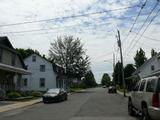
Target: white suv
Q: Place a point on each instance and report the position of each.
(145, 99)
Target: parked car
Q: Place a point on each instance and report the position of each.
(55, 95)
(104, 86)
(112, 89)
(145, 99)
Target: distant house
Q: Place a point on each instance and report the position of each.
(150, 68)
(45, 74)
(11, 66)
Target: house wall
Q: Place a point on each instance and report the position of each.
(146, 70)
(7, 58)
(33, 80)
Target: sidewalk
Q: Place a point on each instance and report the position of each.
(19, 105)
(121, 93)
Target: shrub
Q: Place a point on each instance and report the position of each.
(13, 95)
(36, 94)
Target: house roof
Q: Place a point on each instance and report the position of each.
(6, 44)
(146, 62)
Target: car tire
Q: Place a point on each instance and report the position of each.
(130, 108)
(66, 98)
(145, 115)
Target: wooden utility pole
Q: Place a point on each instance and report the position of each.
(114, 68)
(122, 71)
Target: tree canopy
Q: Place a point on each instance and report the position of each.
(26, 52)
(117, 75)
(89, 80)
(106, 80)
(153, 52)
(128, 70)
(68, 52)
(140, 58)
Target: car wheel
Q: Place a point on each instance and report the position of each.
(145, 115)
(130, 108)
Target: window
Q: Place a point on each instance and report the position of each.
(42, 82)
(13, 59)
(33, 58)
(1, 53)
(25, 82)
(42, 68)
(26, 67)
(142, 86)
(152, 67)
(136, 87)
(151, 85)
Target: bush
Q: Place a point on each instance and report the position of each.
(13, 95)
(36, 94)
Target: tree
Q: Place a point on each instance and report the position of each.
(68, 52)
(106, 80)
(153, 53)
(26, 52)
(89, 80)
(117, 75)
(140, 58)
(128, 70)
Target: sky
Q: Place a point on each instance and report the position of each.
(97, 31)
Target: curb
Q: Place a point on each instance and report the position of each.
(19, 105)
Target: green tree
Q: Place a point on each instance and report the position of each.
(140, 58)
(106, 80)
(68, 52)
(26, 52)
(117, 75)
(153, 53)
(128, 70)
(89, 80)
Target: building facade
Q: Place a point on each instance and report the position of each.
(45, 75)
(11, 66)
(150, 68)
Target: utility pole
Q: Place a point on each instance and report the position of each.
(122, 71)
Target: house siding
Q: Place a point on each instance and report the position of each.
(34, 79)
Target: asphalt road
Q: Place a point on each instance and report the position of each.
(94, 104)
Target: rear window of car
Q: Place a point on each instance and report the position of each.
(151, 85)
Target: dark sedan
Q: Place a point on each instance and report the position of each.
(112, 89)
(55, 95)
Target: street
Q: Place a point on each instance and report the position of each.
(94, 104)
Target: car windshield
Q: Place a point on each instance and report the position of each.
(53, 91)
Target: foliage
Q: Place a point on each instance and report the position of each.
(68, 52)
(106, 80)
(89, 80)
(128, 70)
(13, 95)
(117, 75)
(26, 52)
(36, 94)
(140, 58)
(153, 53)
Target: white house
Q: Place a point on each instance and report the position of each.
(45, 74)
(150, 68)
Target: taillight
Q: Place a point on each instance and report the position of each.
(155, 100)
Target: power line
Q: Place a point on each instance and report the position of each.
(142, 26)
(55, 28)
(146, 28)
(143, 5)
(67, 17)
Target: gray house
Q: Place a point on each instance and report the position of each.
(150, 68)
(11, 66)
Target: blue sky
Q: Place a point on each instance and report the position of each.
(97, 32)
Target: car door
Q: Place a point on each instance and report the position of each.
(140, 94)
(134, 94)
